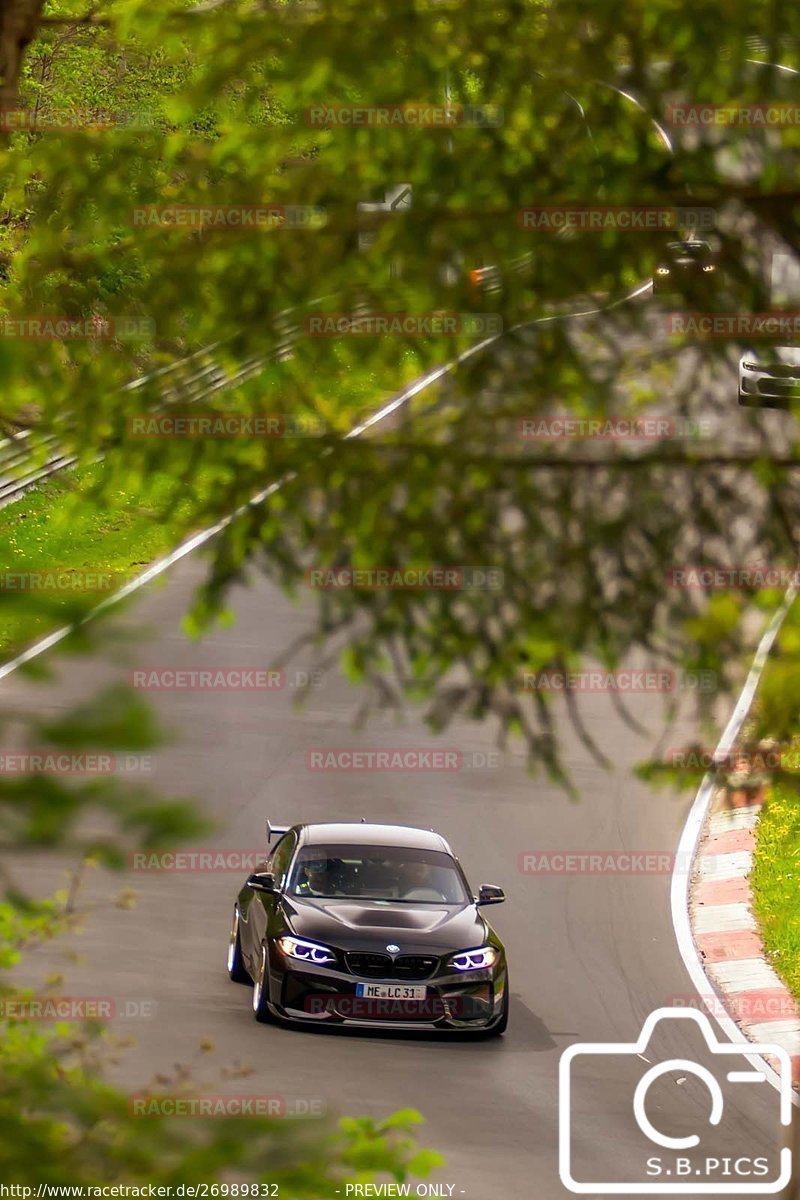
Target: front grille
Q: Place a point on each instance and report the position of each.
(414, 966)
(782, 386)
(381, 966)
(374, 966)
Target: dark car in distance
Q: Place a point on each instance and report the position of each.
(355, 924)
(689, 266)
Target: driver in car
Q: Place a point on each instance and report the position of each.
(419, 882)
(316, 879)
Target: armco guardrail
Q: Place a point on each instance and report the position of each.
(15, 456)
(26, 459)
(193, 378)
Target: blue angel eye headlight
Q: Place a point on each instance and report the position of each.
(310, 952)
(474, 960)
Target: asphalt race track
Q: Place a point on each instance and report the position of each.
(591, 955)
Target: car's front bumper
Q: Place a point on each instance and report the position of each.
(687, 284)
(763, 386)
(457, 1001)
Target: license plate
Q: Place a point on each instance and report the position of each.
(390, 991)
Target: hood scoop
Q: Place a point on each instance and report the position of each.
(387, 919)
(376, 915)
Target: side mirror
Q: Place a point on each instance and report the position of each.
(263, 881)
(490, 893)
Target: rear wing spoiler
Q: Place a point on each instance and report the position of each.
(275, 831)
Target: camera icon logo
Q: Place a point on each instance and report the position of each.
(675, 1165)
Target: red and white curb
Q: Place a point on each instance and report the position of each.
(728, 940)
(718, 857)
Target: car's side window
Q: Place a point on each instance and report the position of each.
(281, 857)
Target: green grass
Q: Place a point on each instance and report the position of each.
(776, 882)
(59, 527)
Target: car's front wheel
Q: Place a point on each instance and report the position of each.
(236, 968)
(261, 1010)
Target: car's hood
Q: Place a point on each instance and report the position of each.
(788, 355)
(372, 925)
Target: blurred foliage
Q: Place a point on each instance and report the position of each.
(208, 104)
(578, 102)
(62, 1123)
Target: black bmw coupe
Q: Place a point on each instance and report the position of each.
(369, 925)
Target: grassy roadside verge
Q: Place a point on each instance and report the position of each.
(58, 528)
(775, 882)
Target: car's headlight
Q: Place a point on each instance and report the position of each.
(310, 952)
(709, 267)
(474, 960)
(662, 270)
(749, 365)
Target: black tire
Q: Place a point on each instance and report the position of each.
(502, 1025)
(261, 1010)
(236, 968)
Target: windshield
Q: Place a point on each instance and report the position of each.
(378, 873)
(691, 249)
